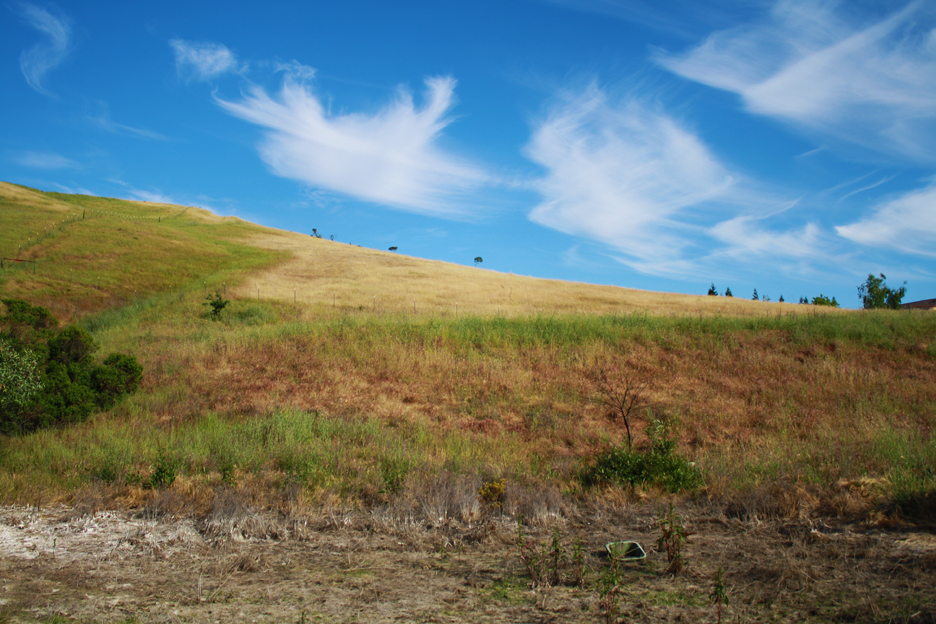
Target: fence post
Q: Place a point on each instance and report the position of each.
(1, 262)
(34, 267)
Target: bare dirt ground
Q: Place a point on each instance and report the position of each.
(60, 566)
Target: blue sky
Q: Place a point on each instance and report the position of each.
(785, 146)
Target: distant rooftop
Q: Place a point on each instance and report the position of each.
(925, 304)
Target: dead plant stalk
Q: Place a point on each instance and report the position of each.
(622, 393)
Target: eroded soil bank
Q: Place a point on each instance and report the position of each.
(243, 566)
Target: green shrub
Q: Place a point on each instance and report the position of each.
(25, 324)
(217, 304)
(822, 300)
(118, 375)
(20, 380)
(73, 386)
(164, 472)
(656, 465)
(72, 344)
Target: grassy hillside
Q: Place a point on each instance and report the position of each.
(95, 253)
(328, 387)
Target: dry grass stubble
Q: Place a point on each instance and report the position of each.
(329, 274)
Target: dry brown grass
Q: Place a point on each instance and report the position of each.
(329, 274)
(775, 423)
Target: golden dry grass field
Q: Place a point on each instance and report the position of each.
(332, 274)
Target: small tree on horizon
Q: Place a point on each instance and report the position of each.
(876, 295)
(478, 260)
(712, 291)
(822, 300)
(755, 297)
(728, 292)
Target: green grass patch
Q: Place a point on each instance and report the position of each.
(655, 466)
(105, 253)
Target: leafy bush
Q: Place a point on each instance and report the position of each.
(875, 294)
(20, 379)
(25, 324)
(656, 465)
(164, 472)
(72, 344)
(68, 397)
(822, 300)
(34, 357)
(118, 375)
(217, 303)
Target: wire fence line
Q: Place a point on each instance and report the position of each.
(55, 227)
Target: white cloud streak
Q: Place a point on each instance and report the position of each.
(628, 175)
(906, 223)
(747, 238)
(817, 68)
(45, 160)
(681, 18)
(41, 58)
(104, 122)
(623, 174)
(74, 190)
(390, 157)
(151, 196)
(203, 61)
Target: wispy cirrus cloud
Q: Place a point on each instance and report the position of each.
(677, 17)
(202, 61)
(627, 174)
(867, 80)
(100, 116)
(44, 56)
(906, 223)
(623, 173)
(746, 237)
(74, 190)
(389, 157)
(134, 194)
(45, 160)
(151, 196)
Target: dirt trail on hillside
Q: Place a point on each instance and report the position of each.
(112, 566)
